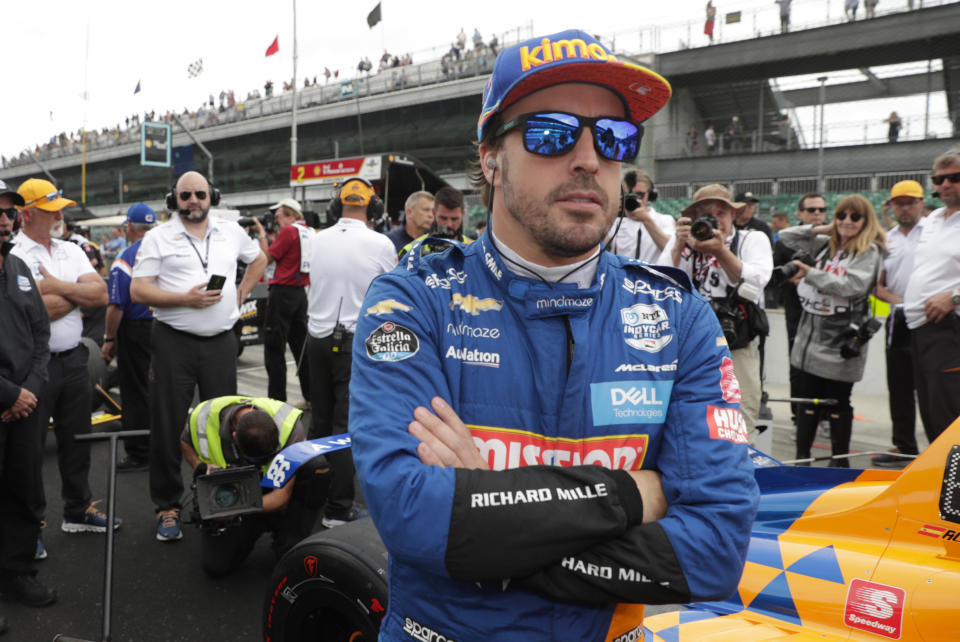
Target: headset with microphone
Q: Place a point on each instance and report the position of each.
(374, 203)
(170, 200)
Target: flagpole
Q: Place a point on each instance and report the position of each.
(293, 123)
(83, 135)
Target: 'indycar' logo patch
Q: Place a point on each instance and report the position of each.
(874, 608)
(729, 384)
(507, 448)
(474, 305)
(387, 306)
(727, 423)
(646, 327)
(392, 342)
(630, 402)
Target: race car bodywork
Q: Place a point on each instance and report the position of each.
(842, 554)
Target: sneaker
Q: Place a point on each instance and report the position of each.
(825, 428)
(339, 518)
(27, 590)
(132, 465)
(41, 552)
(893, 459)
(91, 521)
(168, 525)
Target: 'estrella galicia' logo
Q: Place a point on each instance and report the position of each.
(392, 342)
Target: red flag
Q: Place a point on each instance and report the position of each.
(274, 46)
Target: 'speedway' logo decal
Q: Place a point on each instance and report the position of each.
(392, 342)
(506, 448)
(874, 608)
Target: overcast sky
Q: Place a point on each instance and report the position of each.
(56, 50)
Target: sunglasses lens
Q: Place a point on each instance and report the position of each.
(617, 140)
(551, 134)
(185, 196)
(855, 217)
(10, 212)
(953, 178)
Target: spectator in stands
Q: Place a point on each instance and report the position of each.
(710, 138)
(417, 219)
(719, 267)
(784, 15)
(711, 19)
(870, 7)
(732, 136)
(811, 210)
(834, 292)
(127, 335)
(894, 126)
(691, 144)
(850, 9)
(642, 232)
(932, 303)
(782, 132)
(745, 218)
(268, 89)
(461, 40)
(906, 197)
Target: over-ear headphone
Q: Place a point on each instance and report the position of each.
(374, 205)
(491, 162)
(170, 200)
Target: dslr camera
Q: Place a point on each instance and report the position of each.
(729, 310)
(268, 220)
(857, 336)
(631, 201)
(702, 228)
(783, 273)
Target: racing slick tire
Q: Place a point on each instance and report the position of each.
(331, 586)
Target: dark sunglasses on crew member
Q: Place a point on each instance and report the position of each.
(938, 179)
(814, 210)
(185, 196)
(556, 133)
(11, 212)
(854, 216)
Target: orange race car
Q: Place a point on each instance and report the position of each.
(840, 554)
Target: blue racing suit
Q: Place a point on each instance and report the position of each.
(564, 390)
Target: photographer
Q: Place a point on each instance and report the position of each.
(286, 322)
(241, 431)
(730, 267)
(830, 349)
(643, 232)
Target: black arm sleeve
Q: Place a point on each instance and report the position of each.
(529, 512)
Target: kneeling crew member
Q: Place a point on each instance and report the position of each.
(242, 431)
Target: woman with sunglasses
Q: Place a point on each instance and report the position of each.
(828, 351)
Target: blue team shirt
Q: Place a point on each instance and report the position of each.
(119, 286)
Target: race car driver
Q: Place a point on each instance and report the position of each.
(547, 435)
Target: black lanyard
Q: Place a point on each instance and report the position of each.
(636, 253)
(205, 259)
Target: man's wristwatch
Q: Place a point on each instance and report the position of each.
(109, 339)
(955, 296)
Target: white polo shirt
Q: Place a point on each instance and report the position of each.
(344, 259)
(900, 252)
(936, 265)
(179, 262)
(625, 242)
(67, 262)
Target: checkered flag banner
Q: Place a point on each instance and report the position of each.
(194, 69)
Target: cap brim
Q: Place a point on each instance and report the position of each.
(56, 205)
(734, 204)
(17, 199)
(644, 92)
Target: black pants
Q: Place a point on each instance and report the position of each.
(793, 323)
(181, 362)
(840, 416)
(286, 323)
(329, 400)
(900, 384)
(133, 370)
(223, 551)
(19, 472)
(936, 351)
(66, 398)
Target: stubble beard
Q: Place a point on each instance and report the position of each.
(548, 232)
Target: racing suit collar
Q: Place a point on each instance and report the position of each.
(541, 299)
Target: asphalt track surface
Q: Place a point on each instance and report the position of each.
(160, 593)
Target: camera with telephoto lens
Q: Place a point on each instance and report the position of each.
(858, 336)
(267, 220)
(227, 493)
(702, 228)
(783, 273)
(632, 201)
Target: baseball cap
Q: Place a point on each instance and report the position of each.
(6, 191)
(356, 192)
(141, 213)
(42, 195)
(289, 203)
(714, 192)
(906, 188)
(566, 57)
(744, 197)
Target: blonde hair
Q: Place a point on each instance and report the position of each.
(870, 233)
